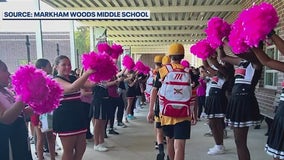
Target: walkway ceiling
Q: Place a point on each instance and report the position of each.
(180, 21)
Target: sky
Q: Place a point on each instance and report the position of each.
(29, 25)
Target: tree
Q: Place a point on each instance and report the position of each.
(82, 39)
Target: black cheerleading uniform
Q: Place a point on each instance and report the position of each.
(70, 117)
(131, 90)
(243, 109)
(101, 102)
(275, 141)
(216, 102)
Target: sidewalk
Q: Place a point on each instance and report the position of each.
(136, 142)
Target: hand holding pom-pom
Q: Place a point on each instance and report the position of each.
(101, 64)
(33, 87)
(89, 71)
(30, 83)
(270, 34)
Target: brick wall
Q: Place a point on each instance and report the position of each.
(148, 59)
(13, 50)
(267, 98)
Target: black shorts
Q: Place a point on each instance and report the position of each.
(178, 131)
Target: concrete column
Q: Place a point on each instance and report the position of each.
(73, 56)
(39, 46)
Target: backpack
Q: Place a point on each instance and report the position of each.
(175, 93)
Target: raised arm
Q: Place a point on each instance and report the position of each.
(229, 59)
(213, 60)
(75, 86)
(267, 61)
(207, 67)
(114, 82)
(89, 84)
(121, 73)
(279, 42)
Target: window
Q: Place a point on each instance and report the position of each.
(271, 75)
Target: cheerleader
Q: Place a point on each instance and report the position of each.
(69, 119)
(275, 141)
(14, 133)
(243, 110)
(215, 105)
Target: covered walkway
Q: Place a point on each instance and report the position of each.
(136, 142)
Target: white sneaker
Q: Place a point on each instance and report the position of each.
(107, 145)
(216, 147)
(100, 148)
(212, 148)
(216, 150)
(203, 115)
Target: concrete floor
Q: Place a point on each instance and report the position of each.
(136, 142)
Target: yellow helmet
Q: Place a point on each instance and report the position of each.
(166, 60)
(176, 49)
(158, 59)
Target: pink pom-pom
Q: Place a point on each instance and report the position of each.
(36, 89)
(103, 65)
(236, 40)
(139, 66)
(146, 69)
(53, 99)
(185, 63)
(252, 26)
(217, 28)
(104, 47)
(88, 60)
(116, 51)
(30, 83)
(202, 49)
(257, 22)
(128, 62)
